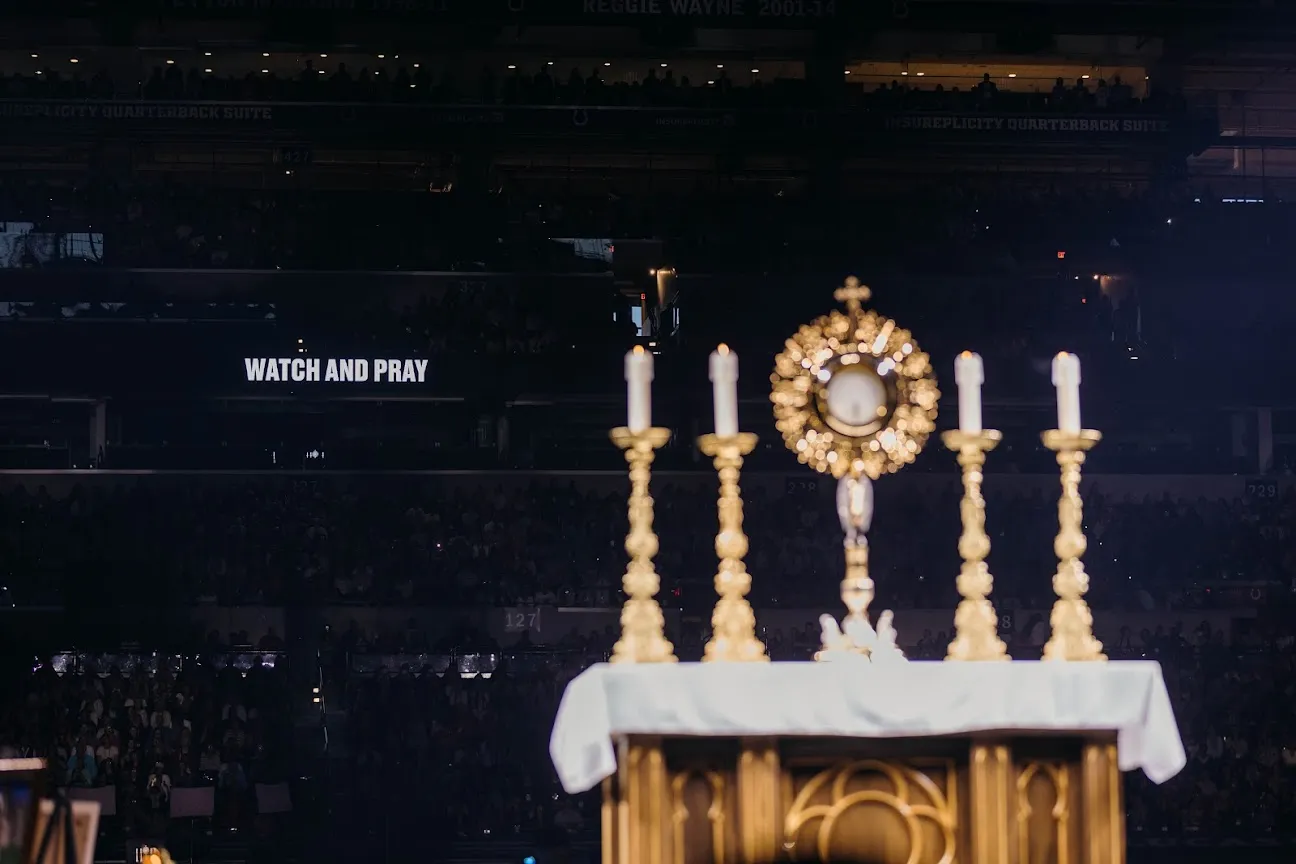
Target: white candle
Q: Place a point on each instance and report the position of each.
(724, 390)
(639, 376)
(1066, 378)
(969, 375)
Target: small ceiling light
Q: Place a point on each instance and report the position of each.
(170, 62)
(607, 64)
(550, 63)
(208, 71)
(920, 74)
(321, 71)
(206, 53)
(265, 55)
(904, 73)
(324, 56)
(74, 60)
(412, 86)
(710, 82)
(1086, 77)
(663, 65)
(382, 56)
(511, 66)
(719, 65)
(1012, 74)
(35, 56)
(416, 65)
(265, 71)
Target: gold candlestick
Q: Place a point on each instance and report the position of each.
(643, 637)
(976, 628)
(733, 623)
(1071, 620)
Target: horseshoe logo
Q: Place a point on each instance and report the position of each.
(580, 117)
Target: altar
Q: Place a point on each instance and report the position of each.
(917, 763)
(863, 756)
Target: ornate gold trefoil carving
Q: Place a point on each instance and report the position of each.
(939, 808)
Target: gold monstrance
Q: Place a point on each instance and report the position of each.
(854, 397)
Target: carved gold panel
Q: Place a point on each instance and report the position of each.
(1043, 813)
(699, 817)
(992, 800)
(883, 811)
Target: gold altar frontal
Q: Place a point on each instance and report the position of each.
(1045, 798)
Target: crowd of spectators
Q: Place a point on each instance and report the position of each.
(558, 542)
(496, 223)
(146, 728)
(433, 752)
(484, 737)
(403, 83)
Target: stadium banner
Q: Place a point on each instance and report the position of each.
(339, 120)
(347, 370)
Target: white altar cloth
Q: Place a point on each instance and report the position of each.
(865, 701)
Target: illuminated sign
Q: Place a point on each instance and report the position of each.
(353, 370)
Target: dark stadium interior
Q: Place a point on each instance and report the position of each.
(276, 611)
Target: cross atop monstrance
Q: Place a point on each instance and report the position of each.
(852, 294)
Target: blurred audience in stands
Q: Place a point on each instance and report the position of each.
(595, 87)
(558, 542)
(496, 223)
(149, 728)
(1233, 701)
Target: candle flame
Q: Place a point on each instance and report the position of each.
(638, 349)
(722, 348)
